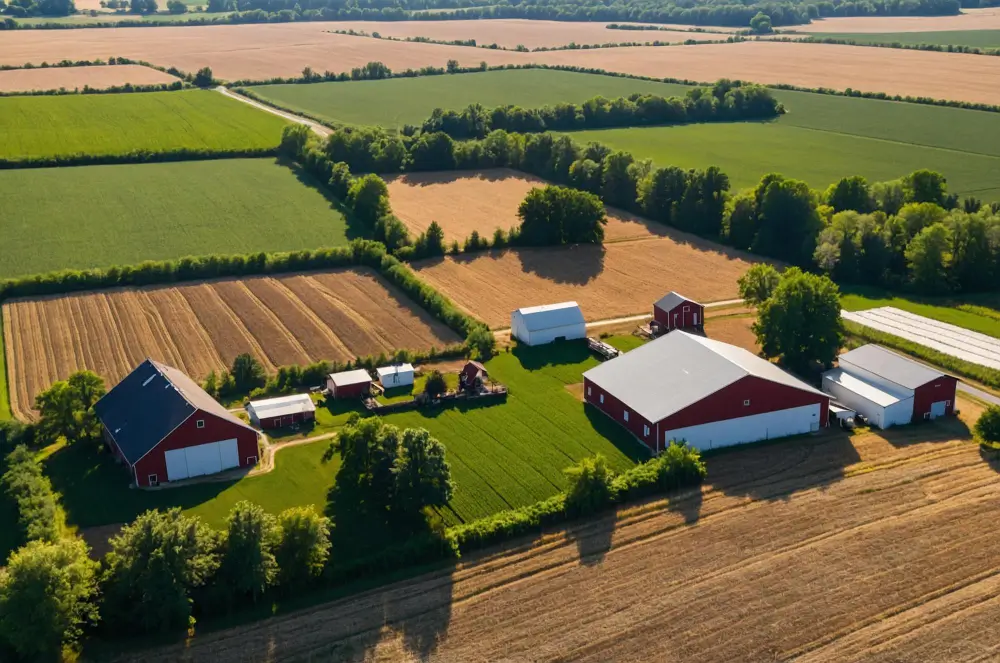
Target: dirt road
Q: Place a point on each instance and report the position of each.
(826, 548)
(318, 128)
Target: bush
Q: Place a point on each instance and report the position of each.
(26, 483)
(988, 426)
(435, 384)
(589, 486)
(677, 466)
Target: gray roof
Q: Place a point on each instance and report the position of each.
(149, 403)
(282, 406)
(891, 366)
(345, 378)
(670, 300)
(551, 316)
(679, 369)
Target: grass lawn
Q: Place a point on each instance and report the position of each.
(975, 315)
(100, 124)
(98, 216)
(398, 394)
(978, 38)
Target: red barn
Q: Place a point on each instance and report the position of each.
(674, 311)
(473, 376)
(349, 384)
(707, 393)
(164, 427)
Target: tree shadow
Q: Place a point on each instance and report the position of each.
(451, 176)
(686, 503)
(593, 538)
(575, 264)
(355, 230)
(421, 618)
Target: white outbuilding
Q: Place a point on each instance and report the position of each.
(538, 325)
(397, 375)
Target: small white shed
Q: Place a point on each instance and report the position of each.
(397, 375)
(883, 405)
(538, 325)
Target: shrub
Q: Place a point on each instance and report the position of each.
(435, 384)
(25, 482)
(988, 425)
(590, 486)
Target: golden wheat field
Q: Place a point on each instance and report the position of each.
(200, 327)
(100, 77)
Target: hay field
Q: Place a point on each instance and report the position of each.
(200, 327)
(483, 201)
(987, 18)
(53, 78)
(832, 548)
(617, 279)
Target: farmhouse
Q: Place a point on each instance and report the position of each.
(537, 325)
(675, 311)
(708, 393)
(889, 389)
(397, 375)
(282, 411)
(349, 384)
(164, 427)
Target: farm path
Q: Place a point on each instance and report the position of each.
(979, 393)
(318, 128)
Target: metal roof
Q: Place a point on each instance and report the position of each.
(149, 403)
(679, 369)
(890, 366)
(670, 300)
(551, 316)
(872, 392)
(282, 406)
(395, 368)
(345, 378)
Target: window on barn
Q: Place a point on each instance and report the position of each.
(746, 402)
(588, 391)
(645, 430)
(200, 423)
(153, 480)
(602, 398)
(626, 415)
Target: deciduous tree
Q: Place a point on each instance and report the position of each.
(758, 283)
(800, 322)
(303, 549)
(248, 373)
(423, 476)
(248, 565)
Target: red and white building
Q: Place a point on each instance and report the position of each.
(349, 384)
(675, 311)
(708, 393)
(165, 427)
(282, 411)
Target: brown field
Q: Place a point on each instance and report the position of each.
(729, 328)
(53, 78)
(617, 279)
(830, 548)
(970, 19)
(484, 201)
(200, 327)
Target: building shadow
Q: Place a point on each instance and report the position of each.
(534, 358)
(943, 429)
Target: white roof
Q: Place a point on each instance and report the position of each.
(282, 406)
(550, 316)
(345, 378)
(875, 393)
(395, 368)
(891, 366)
(679, 369)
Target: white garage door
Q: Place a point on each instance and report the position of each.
(767, 426)
(938, 409)
(202, 459)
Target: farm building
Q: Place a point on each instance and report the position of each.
(708, 393)
(473, 376)
(349, 384)
(674, 311)
(889, 389)
(282, 411)
(397, 375)
(537, 325)
(165, 427)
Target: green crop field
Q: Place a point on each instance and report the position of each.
(977, 314)
(398, 101)
(98, 216)
(977, 38)
(102, 124)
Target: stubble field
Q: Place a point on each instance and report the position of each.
(484, 201)
(617, 279)
(200, 327)
(970, 19)
(871, 547)
(54, 78)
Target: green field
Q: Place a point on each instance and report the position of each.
(977, 38)
(101, 124)
(980, 315)
(98, 216)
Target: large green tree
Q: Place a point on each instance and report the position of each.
(590, 485)
(248, 565)
(758, 283)
(851, 193)
(929, 258)
(66, 409)
(800, 322)
(248, 373)
(423, 476)
(560, 215)
(303, 549)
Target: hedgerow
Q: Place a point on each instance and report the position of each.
(134, 157)
(26, 483)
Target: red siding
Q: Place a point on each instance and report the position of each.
(942, 389)
(615, 409)
(684, 319)
(287, 420)
(352, 390)
(189, 435)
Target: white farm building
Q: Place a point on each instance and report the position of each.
(538, 325)
(397, 375)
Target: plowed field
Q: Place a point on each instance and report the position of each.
(484, 201)
(200, 327)
(616, 279)
(53, 78)
(831, 548)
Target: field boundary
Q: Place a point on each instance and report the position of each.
(936, 48)
(181, 84)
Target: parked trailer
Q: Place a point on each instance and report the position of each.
(602, 349)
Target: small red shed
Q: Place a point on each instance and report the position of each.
(165, 427)
(473, 375)
(282, 411)
(675, 311)
(349, 384)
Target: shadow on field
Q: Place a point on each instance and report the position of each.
(533, 358)
(593, 538)
(940, 430)
(577, 264)
(687, 504)
(354, 231)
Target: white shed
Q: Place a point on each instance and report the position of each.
(537, 325)
(883, 405)
(397, 375)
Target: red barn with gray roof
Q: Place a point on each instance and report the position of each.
(165, 427)
(705, 392)
(675, 311)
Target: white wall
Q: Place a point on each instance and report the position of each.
(766, 426)
(543, 336)
(877, 415)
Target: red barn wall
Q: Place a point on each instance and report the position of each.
(942, 389)
(615, 409)
(684, 319)
(189, 435)
(352, 390)
(268, 423)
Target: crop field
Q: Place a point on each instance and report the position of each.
(395, 102)
(987, 18)
(200, 327)
(98, 216)
(484, 201)
(102, 124)
(53, 78)
(621, 278)
(982, 317)
(977, 38)
(894, 531)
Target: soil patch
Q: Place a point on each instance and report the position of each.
(54, 78)
(734, 330)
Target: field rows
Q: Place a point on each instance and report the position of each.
(200, 327)
(53, 78)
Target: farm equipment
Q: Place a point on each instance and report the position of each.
(602, 349)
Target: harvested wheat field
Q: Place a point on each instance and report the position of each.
(484, 201)
(616, 279)
(733, 329)
(510, 33)
(200, 327)
(54, 78)
(829, 548)
(987, 18)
